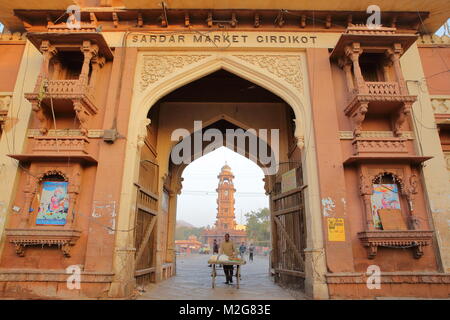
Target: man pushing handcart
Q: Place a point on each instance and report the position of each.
(228, 258)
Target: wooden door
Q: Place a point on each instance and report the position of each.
(288, 224)
(146, 215)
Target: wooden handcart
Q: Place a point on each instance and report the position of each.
(216, 263)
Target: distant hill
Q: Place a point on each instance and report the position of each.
(182, 223)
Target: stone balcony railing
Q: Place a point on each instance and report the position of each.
(69, 89)
(46, 147)
(48, 144)
(72, 89)
(382, 88)
(379, 145)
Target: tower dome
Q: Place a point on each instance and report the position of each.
(226, 167)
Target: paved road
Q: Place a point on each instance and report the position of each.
(193, 281)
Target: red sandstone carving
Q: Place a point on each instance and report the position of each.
(379, 145)
(415, 239)
(63, 238)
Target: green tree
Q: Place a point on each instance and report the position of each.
(183, 232)
(258, 226)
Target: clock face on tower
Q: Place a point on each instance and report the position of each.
(226, 192)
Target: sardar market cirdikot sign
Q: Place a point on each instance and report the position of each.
(230, 39)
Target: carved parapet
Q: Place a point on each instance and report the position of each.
(403, 239)
(62, 238)
(441, 104)
(441, 108)
(52, 147)
(379, 145)
(13, 37)
(365, 30)
(48, 144)
(433, 40)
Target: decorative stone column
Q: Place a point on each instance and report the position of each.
(353, 52)
(57, 67)
(346, 65)
(172, 217)
(89, 51)
(29, 193)
(387, 64)
(394, 55)
(48, 52)
(74, 191)
(366, 190)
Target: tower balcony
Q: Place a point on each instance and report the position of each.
(57, 148)
(70, 69)
(370, 59)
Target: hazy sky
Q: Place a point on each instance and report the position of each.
(197, 202)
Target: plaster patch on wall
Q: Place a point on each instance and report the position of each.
(344, 203)
(106, 209)
(328, 206)
(113, 219)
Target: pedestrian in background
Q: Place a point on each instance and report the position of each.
(242, 250)
(251, 249)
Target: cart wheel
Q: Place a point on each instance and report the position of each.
(213, 276)
(238, 276)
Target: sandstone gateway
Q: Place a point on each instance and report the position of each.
(87, 108)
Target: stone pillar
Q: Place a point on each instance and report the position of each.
(172, 222)
(48, 52)
(30, 192)
(74, 191)
(386, 66)
(346, 65)
(57, 68)
(394, 54)
(89, 51)
(353, 52)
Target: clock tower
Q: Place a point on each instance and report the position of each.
(225, 200)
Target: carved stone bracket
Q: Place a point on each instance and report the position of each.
(358, 117)
(299, 134)
(402, 115)
(143, 132)
(41, 116)
(415, 239)
(63, 238)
